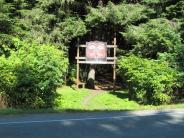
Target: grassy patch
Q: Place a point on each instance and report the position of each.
(112, 101)
(119, 101)
(68, 99)
(71, 100)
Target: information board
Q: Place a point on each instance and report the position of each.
(96, 52)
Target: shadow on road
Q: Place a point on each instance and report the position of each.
(138, 124)
(161, 125)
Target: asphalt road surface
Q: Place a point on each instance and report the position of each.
(137, 124)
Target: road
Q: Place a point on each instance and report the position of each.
(129, 124)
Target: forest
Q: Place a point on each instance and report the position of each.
(38, 41)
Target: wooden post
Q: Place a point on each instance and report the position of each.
(77, 79)
(114, 67)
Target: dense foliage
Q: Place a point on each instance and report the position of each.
(154, 37)
(119, 14)
(149, 81)
(150, 37)
(30, 76)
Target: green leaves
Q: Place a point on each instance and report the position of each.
(122, 14)
(175, 11)
(48, 23)
(71, 28)
(156, 36)
(30, 75)
(149, 81)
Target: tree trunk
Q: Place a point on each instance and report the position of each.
(91, 78)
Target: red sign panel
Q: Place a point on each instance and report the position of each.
(96, 51)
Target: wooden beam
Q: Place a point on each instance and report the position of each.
(111, 46)
(88, 62)
(108, 46)
(108, 58)
(114, 67)
(77, 79)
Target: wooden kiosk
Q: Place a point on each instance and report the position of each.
(96, 52)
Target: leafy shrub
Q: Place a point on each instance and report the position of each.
(71, 28)
(175, 11)
(122, 14)
(29, 77)
(71, 76)
(7, 28)
(48, 28)
(156, 36)
(149, 81)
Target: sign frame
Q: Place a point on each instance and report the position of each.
(110, 60)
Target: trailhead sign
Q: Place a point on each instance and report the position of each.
(96, 52)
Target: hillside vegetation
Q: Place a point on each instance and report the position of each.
(38, 41)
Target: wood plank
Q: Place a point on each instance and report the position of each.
(111, 46)
(114, 67)
(108, 58)
(108, 46)
(78, 67)
(88, 62)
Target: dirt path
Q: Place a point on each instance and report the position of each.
(103, 85)
(93, 93)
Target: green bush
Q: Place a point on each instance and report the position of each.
(30, 76)
(72, 73)
(175, 11)
(71, 78)
(122, 14)
(71, 28)
(156, 36)
(149, 81)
